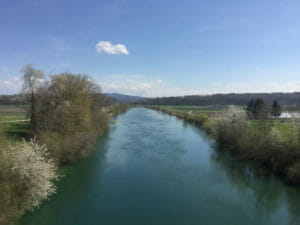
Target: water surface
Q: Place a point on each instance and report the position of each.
(153, 169)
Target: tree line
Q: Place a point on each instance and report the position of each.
(288, 99)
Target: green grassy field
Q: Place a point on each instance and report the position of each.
(11, 112)
(11, 108)
(16, 130)
(11, 124)
(12, 116)
(284, 126)
(210, 110)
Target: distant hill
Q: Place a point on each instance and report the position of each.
(19, 100)
(124, 98)
(288, 99)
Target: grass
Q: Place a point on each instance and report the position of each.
(12, 116)
(195, 114)
(209, 110)
(11, 108)
(14, 130)
(284, 127)
(11, 112)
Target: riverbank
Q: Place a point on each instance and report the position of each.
(271, 143)
(192, 114)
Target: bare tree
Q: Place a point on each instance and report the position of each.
(32, 79)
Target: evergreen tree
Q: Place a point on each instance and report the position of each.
(276, 109)
(251, 105)
(261, 110)
(257, 109)
(250, 108)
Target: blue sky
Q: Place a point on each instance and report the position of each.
(155, 48)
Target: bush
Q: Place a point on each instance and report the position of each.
(200, 118)
(229, 126)
(260, 141)
(27, 176)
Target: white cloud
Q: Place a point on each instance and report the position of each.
(107, 47)
(130, 87)
(10, 86)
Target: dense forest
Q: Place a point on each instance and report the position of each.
(287, 99)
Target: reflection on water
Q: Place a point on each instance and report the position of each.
(152, 168)
(270, 194)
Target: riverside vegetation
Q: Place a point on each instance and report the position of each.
(254, 133)
(67, 113)
(262, 139)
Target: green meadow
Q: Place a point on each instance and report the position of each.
(12, 122)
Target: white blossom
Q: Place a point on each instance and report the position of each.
(234, 120)
(34, 170)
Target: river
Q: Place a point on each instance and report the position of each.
(155, 169)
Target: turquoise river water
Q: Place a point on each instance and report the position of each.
(155, 169)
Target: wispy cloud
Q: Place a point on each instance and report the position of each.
(252, 87)
(224, 25)
(58, 46)
(146, 86)
(10, 86)
(107, 47)
(141, 85)
(127, 86)
(207, 28)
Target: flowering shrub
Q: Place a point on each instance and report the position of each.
(27, 176)
(30, 165)
(230, 125)
(259, 140)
